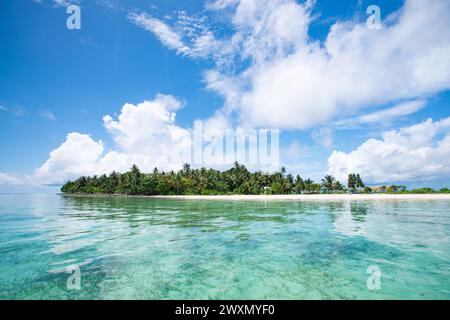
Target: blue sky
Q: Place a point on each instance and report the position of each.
(345, 98)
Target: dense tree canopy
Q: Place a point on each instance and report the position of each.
(188, 181)
(236, 180)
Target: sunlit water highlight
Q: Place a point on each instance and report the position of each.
(136, 248)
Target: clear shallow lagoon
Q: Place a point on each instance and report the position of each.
(136, 248)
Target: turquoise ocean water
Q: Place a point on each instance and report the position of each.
(136, 248)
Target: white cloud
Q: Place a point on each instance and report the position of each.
(109, 4)
(17, 111)
(356, 67)
(216, 125)
(165, 34)
(292, 81)
(226, 86)
(77, 156)
(323, 136)
(9, 179)
(138, 124)
(295, 151)
(189, 36)
(145, 135)
(220, 4)
(415, 153)
(402, 109)
(385, 115)
(47, 114)
(272, 74)
(60, 3)
(65, 3)
(270, 30)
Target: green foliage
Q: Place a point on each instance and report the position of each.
(422, 191)
(299, 185)
(368, 190)
(397, 189)
(403, 190)
(355, 183)
(328, 183)
(277, 188)
(236, 180)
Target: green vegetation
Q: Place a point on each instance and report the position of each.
(403, 190)
(236, 180)
(354, 182)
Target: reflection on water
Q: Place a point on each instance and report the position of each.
(138, 248)
(358, 211)
(413, 224)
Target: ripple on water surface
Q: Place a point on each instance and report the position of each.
(136, 248)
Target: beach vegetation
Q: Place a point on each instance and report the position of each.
(236, 180)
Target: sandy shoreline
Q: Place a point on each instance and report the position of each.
(294, 197)
(315, 197)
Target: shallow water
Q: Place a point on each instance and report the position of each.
(135, 248)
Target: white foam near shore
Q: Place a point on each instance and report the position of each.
(314, 197)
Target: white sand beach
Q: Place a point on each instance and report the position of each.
(313, 197)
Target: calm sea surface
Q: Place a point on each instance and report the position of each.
(135, 248)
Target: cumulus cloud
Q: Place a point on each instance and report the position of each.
(295, 82)
(75, 157)
(145, 135)
(415, 153)
(136, 125)
(272, 73)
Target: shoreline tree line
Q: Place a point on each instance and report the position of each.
(202, 181)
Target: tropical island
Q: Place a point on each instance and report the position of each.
(237, 180)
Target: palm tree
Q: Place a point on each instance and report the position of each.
(338, 186)
(351, 182)
(199, 181)
(135, 179)
(308, 185)
(328, 182)
(359, 183)
(299, 186)
(288, 184)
